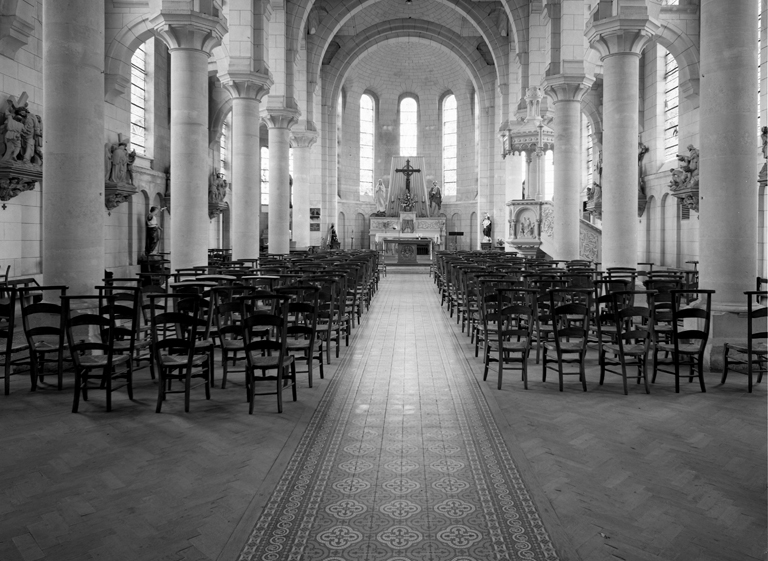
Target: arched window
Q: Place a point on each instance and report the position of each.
(367, 117)
(409, 126)
(139, 100)
(590, 150)
(671, 104)
(224, 164)
(450, 133)
(264, 175)
(549, 175)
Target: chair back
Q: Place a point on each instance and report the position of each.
(756, 316)
(570, 309)
(8, 321)
(700, 311)
(173, 330)
(88, 333)
(634, 323)
(42, 315)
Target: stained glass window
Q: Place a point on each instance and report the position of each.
(367, 117)
(409, 127)
(139, 100)
(450, 135)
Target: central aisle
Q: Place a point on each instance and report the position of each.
(402, 459)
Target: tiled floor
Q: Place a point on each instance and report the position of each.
(408, 422)
(403, 460)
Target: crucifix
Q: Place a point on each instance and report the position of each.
(408, 171)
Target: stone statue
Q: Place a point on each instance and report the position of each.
(380, 197)
(764, 138)
(153, 230)
(487, 226)
(21, 133)
(117, 161)
(435, 199)
(642, 150)
(217, 188)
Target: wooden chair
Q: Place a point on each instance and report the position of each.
(123, 303)
(754, 351)
(634, 336)
(9, 339)
(173, 347)
(301, 331)
(270, 353)
(91, 338)
(570, 331)
(509, 320)
(687, 345)
(44, 328)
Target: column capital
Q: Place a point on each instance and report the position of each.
(189, 30)
(616, 35)
(303, 138)
(280, 117)
(246, 85)
(567, 87)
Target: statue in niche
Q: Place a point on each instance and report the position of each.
(153, 230)
(217, 188)
(764, 138)
(487, 227)
(642, 150)
(435, 199)
(21, 133)
(117, 161)
(380, 198)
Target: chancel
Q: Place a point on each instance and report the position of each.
(383, 280)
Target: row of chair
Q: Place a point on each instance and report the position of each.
(126, 323)
(510, 310)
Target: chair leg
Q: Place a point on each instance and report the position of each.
(749, 373)
(677, 373)
(725, 367)
(160, 390)
(623, 376)
(76, 401)
(644, 374)
(308, 357)
(249, 383)
(107, 378)
(187, 389)
(700, 366)
(293, 380)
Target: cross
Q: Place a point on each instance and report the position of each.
(408, 171)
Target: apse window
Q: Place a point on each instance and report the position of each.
(139, 100)
(224, 147)
(450, 133)
(264, 175)
(671, 106)
(409, 126)
(367, 116)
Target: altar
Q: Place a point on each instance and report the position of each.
(407, 222)
(407, 249)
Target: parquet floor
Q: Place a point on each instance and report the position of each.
(660, 476)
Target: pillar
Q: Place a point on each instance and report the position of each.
(620, 42)
(190, 37)
(534, 183)
(73, 166)
(247, 92)
(279, 122)
(728, 164)
(567, 92)
(302, 142)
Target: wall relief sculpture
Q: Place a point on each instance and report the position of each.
(588, 246)
(548, 221)
(685, 179)
(642, 199)
(217, 192)
(21, 148)
(118, 172)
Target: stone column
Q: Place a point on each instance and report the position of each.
(533, 182)
(728, 164)
(247, 92)
(567, 91)
(279, 122)
(73, 166)
(190, 37)
(620, 42)
(302, 142)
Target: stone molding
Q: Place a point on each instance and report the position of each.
(280, 117)
(567, 87)
(616, 35)
(247, 85)
(303, 139)
(15, 29)
(189, 30)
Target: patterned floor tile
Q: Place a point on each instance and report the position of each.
(402, 460)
